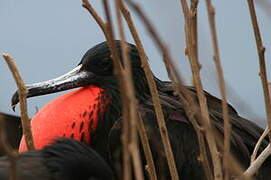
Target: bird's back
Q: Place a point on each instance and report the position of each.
(182, 136)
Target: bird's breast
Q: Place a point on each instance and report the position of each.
(73, 115)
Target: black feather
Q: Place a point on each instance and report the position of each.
(66, 159)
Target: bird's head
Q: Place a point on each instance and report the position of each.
(96, 68)
(86, 114)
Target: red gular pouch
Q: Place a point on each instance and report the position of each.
(72, 115)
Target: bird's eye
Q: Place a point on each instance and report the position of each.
(99, 66)
(104, 64)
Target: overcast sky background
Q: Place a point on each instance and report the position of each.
(48, 38)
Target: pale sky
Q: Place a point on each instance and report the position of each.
(48, 38)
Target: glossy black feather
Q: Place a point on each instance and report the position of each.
(96, 68)
(184, 142)
(66, 159)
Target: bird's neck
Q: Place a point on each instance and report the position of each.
(111, 113)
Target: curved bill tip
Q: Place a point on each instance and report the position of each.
(14, 100)
(13, 107)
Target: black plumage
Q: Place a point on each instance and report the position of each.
(65, 159)
(96, 68)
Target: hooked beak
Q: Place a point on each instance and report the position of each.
(73, 79)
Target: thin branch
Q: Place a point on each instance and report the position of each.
(221, 81)
(154, 94)
(255, 165)
(257, 146)
(194, 25)
(109, 35)
(146, 148)
(195, 66)
(133, 145)
(91, 10)
(22, 91)
(182, 92)
(186, 98)
(136, 117)
(126, 121)
(126, 112)
(194, 19)
(261, 50)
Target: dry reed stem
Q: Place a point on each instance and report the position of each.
(192, 54)
(256, 164)
(126, 135)
(194, 11)
(190, 107)
(182, 92)
(91, 10)
(146, 148)
(9, 151)
(221, 81)
(109, 35)
(261, 50)
(154, 94)
(204, 108)
(22, 91)
(126, 123)
(133, 102)
(133, 145)
(257, 146)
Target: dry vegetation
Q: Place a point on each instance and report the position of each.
(135, 127)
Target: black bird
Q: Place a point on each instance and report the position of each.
(96, 69)
(65, 159)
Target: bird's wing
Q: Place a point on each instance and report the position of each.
(212, 101)
(247, 130)
(183, 141)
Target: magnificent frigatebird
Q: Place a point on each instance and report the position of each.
(88, 114)
(65, 159)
